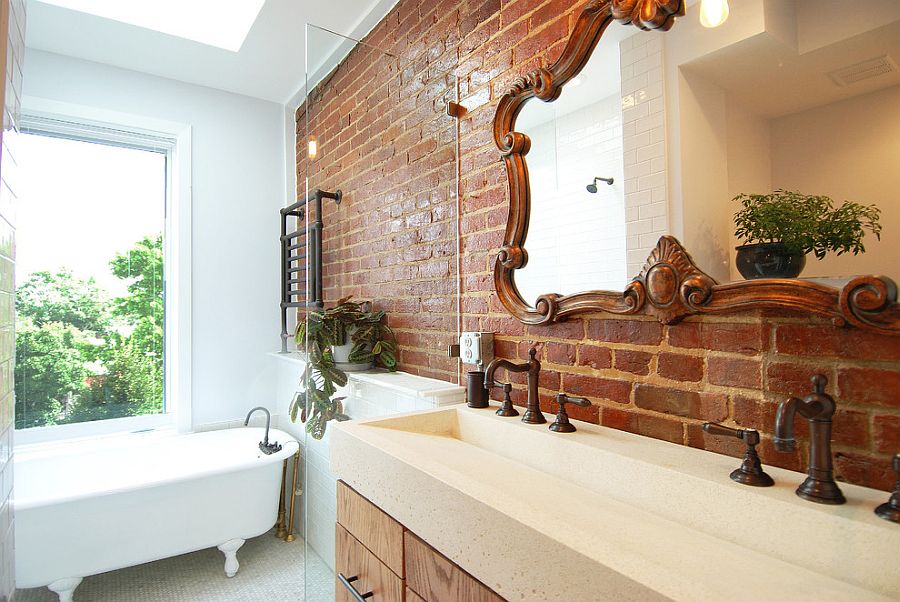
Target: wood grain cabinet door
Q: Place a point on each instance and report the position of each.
(352, 559)
(369, 525)
(436, 579)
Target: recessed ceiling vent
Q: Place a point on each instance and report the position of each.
(863, 71)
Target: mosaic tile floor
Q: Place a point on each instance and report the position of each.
(271, 570)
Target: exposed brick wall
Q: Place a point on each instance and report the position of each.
(385, 139)
(641, 376)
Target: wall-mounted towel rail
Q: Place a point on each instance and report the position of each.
(301, 257)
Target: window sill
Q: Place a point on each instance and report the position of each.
(90, 430)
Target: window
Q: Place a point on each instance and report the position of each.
(93, 326)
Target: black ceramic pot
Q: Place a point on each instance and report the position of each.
(769, 260)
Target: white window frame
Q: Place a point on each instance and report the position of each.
(112, 127)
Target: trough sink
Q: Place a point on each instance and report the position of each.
(601, 513)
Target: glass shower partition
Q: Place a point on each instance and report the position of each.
(377, 179)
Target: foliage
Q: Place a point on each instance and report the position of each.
(805, 223)
(143, 306)
(83, 357)
(63, 298)
(372, 339)
(50, 372)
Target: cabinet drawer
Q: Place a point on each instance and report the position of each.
(436, 579)
(354, 560)
(372, 527)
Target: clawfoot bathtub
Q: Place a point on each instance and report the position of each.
(91, 507)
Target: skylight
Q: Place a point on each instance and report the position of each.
(220, 23)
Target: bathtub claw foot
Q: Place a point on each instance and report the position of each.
(230, 548)
(65, 588)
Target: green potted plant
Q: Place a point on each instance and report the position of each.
(781, 228)
(371, 342)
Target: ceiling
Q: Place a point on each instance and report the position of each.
(774, 79)
(270, 64)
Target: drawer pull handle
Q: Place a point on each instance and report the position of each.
(347, 581)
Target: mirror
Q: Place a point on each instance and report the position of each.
(581, 236)
(636, 135)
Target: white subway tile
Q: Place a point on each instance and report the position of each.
(649, 151)
(652, 210)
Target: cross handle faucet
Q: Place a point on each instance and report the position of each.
(264, 445)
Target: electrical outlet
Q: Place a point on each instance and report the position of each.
(476, 348)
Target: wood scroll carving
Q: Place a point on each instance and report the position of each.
(669, 286)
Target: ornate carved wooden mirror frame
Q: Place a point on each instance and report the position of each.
(669, 286)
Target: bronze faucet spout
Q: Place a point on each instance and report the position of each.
(533, 413)
(818, 408)
(784, 425)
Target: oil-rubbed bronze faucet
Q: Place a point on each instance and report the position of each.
(533, 367)
(818, 408)
(890, 510)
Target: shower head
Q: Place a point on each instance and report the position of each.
(592, 187)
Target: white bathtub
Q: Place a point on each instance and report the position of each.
(95, 506)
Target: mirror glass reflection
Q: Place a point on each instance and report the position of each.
(683, 121)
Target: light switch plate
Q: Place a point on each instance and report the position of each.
(476, 348)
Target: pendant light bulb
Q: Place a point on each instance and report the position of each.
(313, 147)
(713, 12)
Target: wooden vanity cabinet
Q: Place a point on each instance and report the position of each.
(392, 562)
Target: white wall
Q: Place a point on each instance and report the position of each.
(853, 158)
(238, 174)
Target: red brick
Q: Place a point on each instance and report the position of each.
(794, 379)
(738, 338)
(539, 41)
(594, 357)
(754, 413)
(560, 353)
(563, 330)
(870, 386)
(550, 379)
(886, 433)
(791, 460)
(636, 362)
(597, 388)
(686, 334)
(865, 470)
(734, 372)
(658, 427)
(636, 332)
(827, 341)
(712, 407)
(617, 418)
(850, 427)
(677, 366)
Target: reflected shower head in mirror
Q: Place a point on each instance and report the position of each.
(592, 188)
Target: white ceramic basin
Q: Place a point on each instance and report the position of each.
(602, 513)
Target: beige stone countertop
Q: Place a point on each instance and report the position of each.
(604, 514)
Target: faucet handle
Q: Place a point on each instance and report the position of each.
(506, 408)
(890, 510)
(819, 381)
(750, 471)
(562, 424)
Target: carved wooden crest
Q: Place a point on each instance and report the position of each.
(669, 286)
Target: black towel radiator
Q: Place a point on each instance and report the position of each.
(301, 280)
